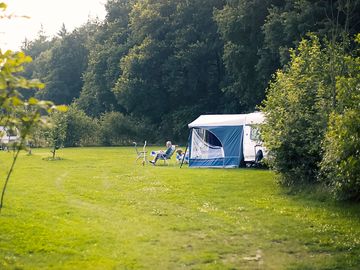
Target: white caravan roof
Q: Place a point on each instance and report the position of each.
(217, 120)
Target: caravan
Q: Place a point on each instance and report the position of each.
(225, 141)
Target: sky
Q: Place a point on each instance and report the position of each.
(49, 13)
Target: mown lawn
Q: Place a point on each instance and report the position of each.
(97, 209)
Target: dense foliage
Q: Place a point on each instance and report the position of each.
(82, 130)
(341, 162)
(312, 109)
(165, 62)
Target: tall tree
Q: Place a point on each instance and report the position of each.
(68, 59)
(107, 47)
(240, 24)
(258, 35)
(174, 65)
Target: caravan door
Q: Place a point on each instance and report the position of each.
(251, 143)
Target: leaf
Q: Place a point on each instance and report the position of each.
(17, 101)
(33, 101)
(61, 108)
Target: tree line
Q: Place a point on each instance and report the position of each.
(163, 63)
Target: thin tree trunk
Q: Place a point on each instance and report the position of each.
(8, 177)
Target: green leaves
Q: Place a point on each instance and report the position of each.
(18, 113)
(297, 111)
(61, 108)
(56, 132)
(340, 167)
(313, 123)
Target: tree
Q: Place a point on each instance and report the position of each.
(65, 63)
(38, 45)
(240, 24)
(180, 39)
(106, 48)
(258, 34)
(289, 21)
(56, 132)
(63, 31)
(15, 112)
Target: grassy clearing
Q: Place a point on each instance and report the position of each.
(97, 209)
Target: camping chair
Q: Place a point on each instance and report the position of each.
(141, 154)
(164, 157)
(182, 157)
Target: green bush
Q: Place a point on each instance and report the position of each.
(118, 129)
(340, 166)
(113, 128)
(313, 119)
(296, 121)
(82, 130)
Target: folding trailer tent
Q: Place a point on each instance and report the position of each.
(217, 140)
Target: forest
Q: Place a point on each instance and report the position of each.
(151, 67)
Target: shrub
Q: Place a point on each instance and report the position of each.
(340, 166)
(82, 130)
(117, 129)
(295, 120)
(313, 118)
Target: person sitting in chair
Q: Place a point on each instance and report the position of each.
(162, 154)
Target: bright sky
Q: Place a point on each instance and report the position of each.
(50, 13)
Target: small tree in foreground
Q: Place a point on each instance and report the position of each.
(56, 133)
(15, 112)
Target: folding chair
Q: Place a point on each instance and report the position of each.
(141, 154)
(167, 156)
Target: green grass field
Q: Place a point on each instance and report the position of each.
(97, 209)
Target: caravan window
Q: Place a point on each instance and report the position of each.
(255, 133)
